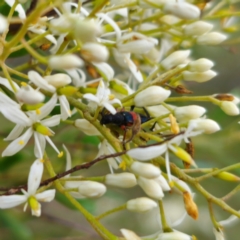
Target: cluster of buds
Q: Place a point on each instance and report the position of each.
(76, 82)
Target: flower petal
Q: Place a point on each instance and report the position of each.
(91, 97)
(18, 144)
(40, 145)
(64, 107)
(17, 130)
(109, 107)
(11, 201)
(144, 154)
(7, 100)
(5, 82)
(40, 82)
(15, 115)
(52, 121)
(35, 176)
(48, 107)
(46, 196)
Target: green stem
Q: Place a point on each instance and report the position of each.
(114, 210)
(165, 226)
(7, 75)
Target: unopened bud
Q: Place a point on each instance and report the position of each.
(197, 28)
(207, 126)
(174, 126)
(186, 113)
(182, 10)
(146, 170)
(153, 95)
(227, 177)
(151, 188)
(200, 65)
(142, 204)
(183, 155)
(123, 180)
(26, 94)
(91, 189)
(163, 183)
(212, 38)
(198, 76)
(94, 52)
(129, 235)
(190, 205)
(229, 108)
(68, 61)
(175, 59)
(58, 80)
(3, 24)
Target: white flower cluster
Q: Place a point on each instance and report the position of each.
(97, 64)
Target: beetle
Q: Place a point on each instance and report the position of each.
(126, 120)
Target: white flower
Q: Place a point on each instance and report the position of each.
(40, 28)
(197, 28)
(198, 76)
(30, 196)
(51, 84)
(105, 149)
(36, 126)
(142, 204)
(123, 180)
(146, 170)
(66, 62)
(212, 38)
(103, 98)
(150, 96)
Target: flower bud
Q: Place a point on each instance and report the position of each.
(105, 70)
(129, 235)
(212, 38)
(197, 28)
(163, 183)
(94, 52)
(68, 61)
(174, 236)
(227, 176)
(229, 108)
(153, 95)
(146, 170)
(151, 188)
(182, 10)
(58, 80)
(198, 76)
(142, 204)
(91, 189)
(183, 155)
(136, 43)
(86, 127)
(3, 24)
(190, 205)
(207, 126)
(186, 113)
(123, 180)
(175, 58)
(26, 94)
(200, 65)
